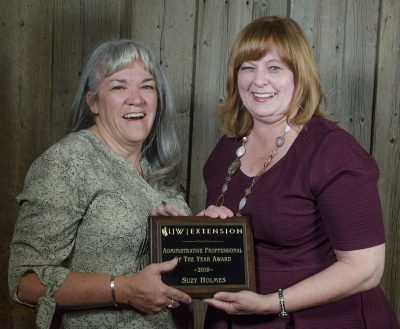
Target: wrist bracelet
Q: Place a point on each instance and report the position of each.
(112, 286)
(282, 303)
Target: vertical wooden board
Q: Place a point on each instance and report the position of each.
(177, 57)
(78, 28)
(9, 100)
(25, 101)
(343, 36)
(270, 8)
(126, 19)
(168, 28)
(147, 22)
(386, 143)
(28, 89)
(67, 62)
(101, 22)
(323, 23)
(359, 67)
(218, 24)
(33, 78)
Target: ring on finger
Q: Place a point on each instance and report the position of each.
(172, 304)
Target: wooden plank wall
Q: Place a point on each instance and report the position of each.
(45, 43)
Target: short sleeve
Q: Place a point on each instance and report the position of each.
(344, 180)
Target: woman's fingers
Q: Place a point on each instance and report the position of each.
(216, 212)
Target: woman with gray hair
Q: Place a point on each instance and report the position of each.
(81, 241)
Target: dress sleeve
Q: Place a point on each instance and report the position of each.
(344, 179)
(181, 204)
(45, 230)
(178, 201)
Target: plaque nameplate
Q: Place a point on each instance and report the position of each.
(214, 254)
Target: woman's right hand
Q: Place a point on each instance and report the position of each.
(216, 212)
(146, 292)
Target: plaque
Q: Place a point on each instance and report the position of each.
(214, 254)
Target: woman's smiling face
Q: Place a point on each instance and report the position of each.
(125, 107)
(266, 87)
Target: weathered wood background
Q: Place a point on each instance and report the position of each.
(45, 43)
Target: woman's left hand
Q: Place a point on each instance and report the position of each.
(243, 302)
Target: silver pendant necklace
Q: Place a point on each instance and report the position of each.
(235, 165)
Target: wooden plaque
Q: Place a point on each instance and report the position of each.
(214, 254)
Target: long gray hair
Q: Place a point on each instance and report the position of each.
(161, 147)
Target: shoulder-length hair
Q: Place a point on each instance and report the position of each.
(252, 43)
(161, 147)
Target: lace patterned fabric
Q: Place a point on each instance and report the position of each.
(84, 208)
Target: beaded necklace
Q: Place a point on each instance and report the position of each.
(235, 165)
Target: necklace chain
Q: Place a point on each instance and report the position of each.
(235, 165)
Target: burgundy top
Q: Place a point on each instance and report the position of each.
(322, 195)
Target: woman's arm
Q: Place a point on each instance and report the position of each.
(354, 271)
(143, 290)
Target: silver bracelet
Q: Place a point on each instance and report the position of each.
(282, 303)
(112, 286)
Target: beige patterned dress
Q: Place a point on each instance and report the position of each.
(84, 208)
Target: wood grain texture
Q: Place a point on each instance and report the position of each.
(218, 23)
(67, 62)
(324, 25)
(154, 23)
(45, 43)
(359, 68)
(343, 35)
(270, 8)
(10, 22)
(101, 21)
(386, 143)
(25, 102)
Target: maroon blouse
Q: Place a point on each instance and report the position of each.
(322, 195)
